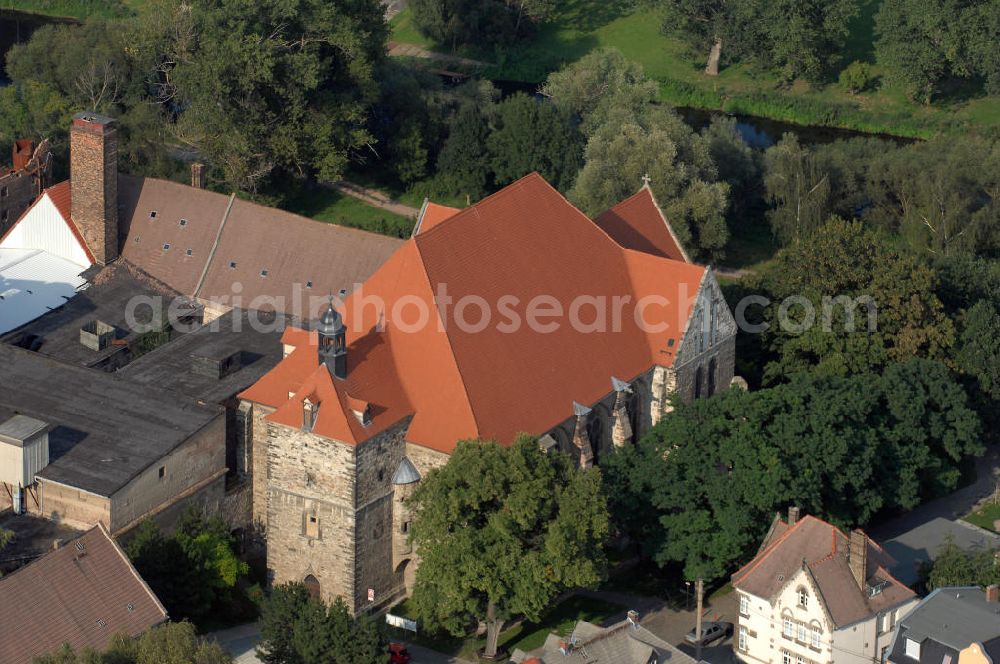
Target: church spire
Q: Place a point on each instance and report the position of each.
(332, 342)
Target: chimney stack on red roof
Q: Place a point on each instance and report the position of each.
(93, 174)
(992, 594)
(857, 557)
(198, 175)
(793, 515)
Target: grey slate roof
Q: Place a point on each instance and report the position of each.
(105, 430)
(621, 643)
(947, 621)
(921, 545)
(406, 473)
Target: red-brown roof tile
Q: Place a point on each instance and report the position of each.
(823, 549)
(82, 594)
(638, 223)
(522, 242)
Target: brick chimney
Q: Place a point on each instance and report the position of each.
(93, 174)
(793, 515)
(992, 594)
(198, 175)
(857, 557)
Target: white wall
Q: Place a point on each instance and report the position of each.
(42, 227)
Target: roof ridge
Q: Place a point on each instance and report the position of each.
(760, 557)
(505, 190)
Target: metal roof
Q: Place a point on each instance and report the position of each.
(406, 473)
(32, 283)
(954, 617)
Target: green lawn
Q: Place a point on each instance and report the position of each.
(332, 206)
(583, 25)
(79, 9)
(404, 31)
(526, 636)
(984, 517)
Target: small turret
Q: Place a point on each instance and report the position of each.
(332, 342)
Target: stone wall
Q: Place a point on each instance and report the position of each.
(197, 462)
(73, 507)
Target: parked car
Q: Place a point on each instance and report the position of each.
(398, 654)
(710, 632)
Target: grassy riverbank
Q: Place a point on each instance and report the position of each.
(583, 25)
(78, 9)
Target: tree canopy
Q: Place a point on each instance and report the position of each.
(297, 628)
(702, 487)
(501, 532)
(801, 38)
(955, 567)
(172, 643)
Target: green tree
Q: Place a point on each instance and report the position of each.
(462, 164)
(599, 84)
(501, 532)
(658, 143)
(739, 166)
(458, 23)
(701, 488)
(862, 304)
(799, 190)
(297, 628)
(531, 135)
(190, 570)
(800, 38)
(279, 85)
(172, 643)
(856, 77)
(955, 567)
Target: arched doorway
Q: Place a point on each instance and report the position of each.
(312, 586)
(406, 574)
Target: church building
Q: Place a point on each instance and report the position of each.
(517, 314)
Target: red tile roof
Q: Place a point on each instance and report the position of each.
(823, 549)
(434, 214)
(523, 242)
(82, 594)
(638, 223)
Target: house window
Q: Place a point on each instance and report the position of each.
(162, 472)
(801, 636)
(744, 605)
(816, 633)
(788, 628)
(3, 215)
(3, 192)
(312, 526)
(786, 657)
(803, 598)
(742, 643)
(912, 649)
(404, 528)
(886, 624)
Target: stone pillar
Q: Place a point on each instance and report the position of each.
(621, 432)
(580, 437)
(663, 387)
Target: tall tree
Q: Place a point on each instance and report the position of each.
(703, 486)
(656, 142)
(461, 164)
(802, 38)
(599, 84)
(172, 643)
(501, 532)
(275, 84)
(532, 135)
(955, 567)
(297, 628)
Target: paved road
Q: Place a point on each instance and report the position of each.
(952, 506)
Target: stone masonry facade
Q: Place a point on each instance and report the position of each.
(334, 519)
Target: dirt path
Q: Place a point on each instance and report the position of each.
(374, 197)
(400, 50)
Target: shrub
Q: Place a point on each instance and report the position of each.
(856, 77)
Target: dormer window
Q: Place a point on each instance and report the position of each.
(263, 273)
(913, 649)
(166, 247)
(803, 598)
(360, 409)
(152, 214)
(309, 412)
(189, 252)
(232, 265)
(184, 222)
